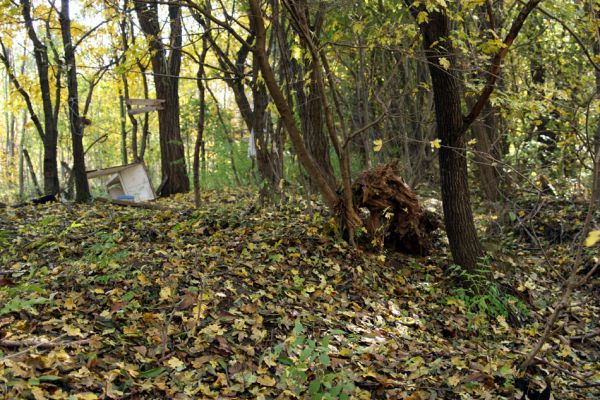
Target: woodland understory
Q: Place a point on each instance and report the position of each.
(333, 199)
(234, 300)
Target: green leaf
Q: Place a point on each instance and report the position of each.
(153, 373)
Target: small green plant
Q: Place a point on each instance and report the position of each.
(21, 298)
(480, 295)
(106, 252)
(305, 369)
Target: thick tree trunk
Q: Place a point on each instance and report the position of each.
(81, 182)
(49, 133)
(166, 80)
(458, 215)
(596, 14)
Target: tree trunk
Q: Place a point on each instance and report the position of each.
(81, 182)
(451, 125)
(146, 121)
(49, 133)
(166, 79)
(329, 193)
(32, 171)
(199, 144)
(458, 216)
(123, 130)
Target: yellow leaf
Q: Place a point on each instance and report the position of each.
(143, 280)
(454, 380)
(266, 380)
(165, 293)
(377, 144)
(38, 393)
(458, 362)
(472, 141)
(72, 330)
(445, 63)
(69, 304)
(436, 144)
(422, 17)
(86, 396)
(592, 238)
(175, 363)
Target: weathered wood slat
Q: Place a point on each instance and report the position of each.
(146, 109)
(144, 102)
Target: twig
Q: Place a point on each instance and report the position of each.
(559, 368)
(588, 335)
(148, 206)
(587, 385)
(37, 344)
(572, 281)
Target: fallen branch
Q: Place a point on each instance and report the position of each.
(148, 206)
(38, 344)
(588, 335)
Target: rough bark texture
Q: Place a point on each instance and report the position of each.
(199, 143)
(49, 133)
(458, 215)
(308, 98)
(166, 79)
(81, 182)
(330, 196)
(395, 217)
(451, 125)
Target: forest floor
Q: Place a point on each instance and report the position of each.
(237, 301)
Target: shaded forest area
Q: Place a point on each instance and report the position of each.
(300, 199)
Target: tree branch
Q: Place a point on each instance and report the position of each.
(496, 66)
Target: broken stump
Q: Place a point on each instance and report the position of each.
(394, 218)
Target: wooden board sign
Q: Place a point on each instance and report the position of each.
(148, 105)
(144, 102)
(146, 109)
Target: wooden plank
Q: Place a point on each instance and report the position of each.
(144, 102)
(146, 109)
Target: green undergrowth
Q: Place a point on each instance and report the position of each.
(234, 300)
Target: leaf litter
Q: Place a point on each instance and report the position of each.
(233, 301)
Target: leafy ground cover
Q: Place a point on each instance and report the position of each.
(235, 301)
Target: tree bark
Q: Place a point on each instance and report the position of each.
(166, 79)
(451, 125)
(32, 172)
(458, 216)
(329, 193)
(122, 112)
(199, 144)
(49, 132)
(81, 182)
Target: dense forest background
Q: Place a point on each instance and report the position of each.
(392, 118)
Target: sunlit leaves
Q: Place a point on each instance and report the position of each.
(436, 143)
(592, 238)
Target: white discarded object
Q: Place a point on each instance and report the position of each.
(252, 145)
(126, 182)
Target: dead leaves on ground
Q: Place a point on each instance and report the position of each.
(206, 304)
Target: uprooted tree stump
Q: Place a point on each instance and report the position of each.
(394, 217)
